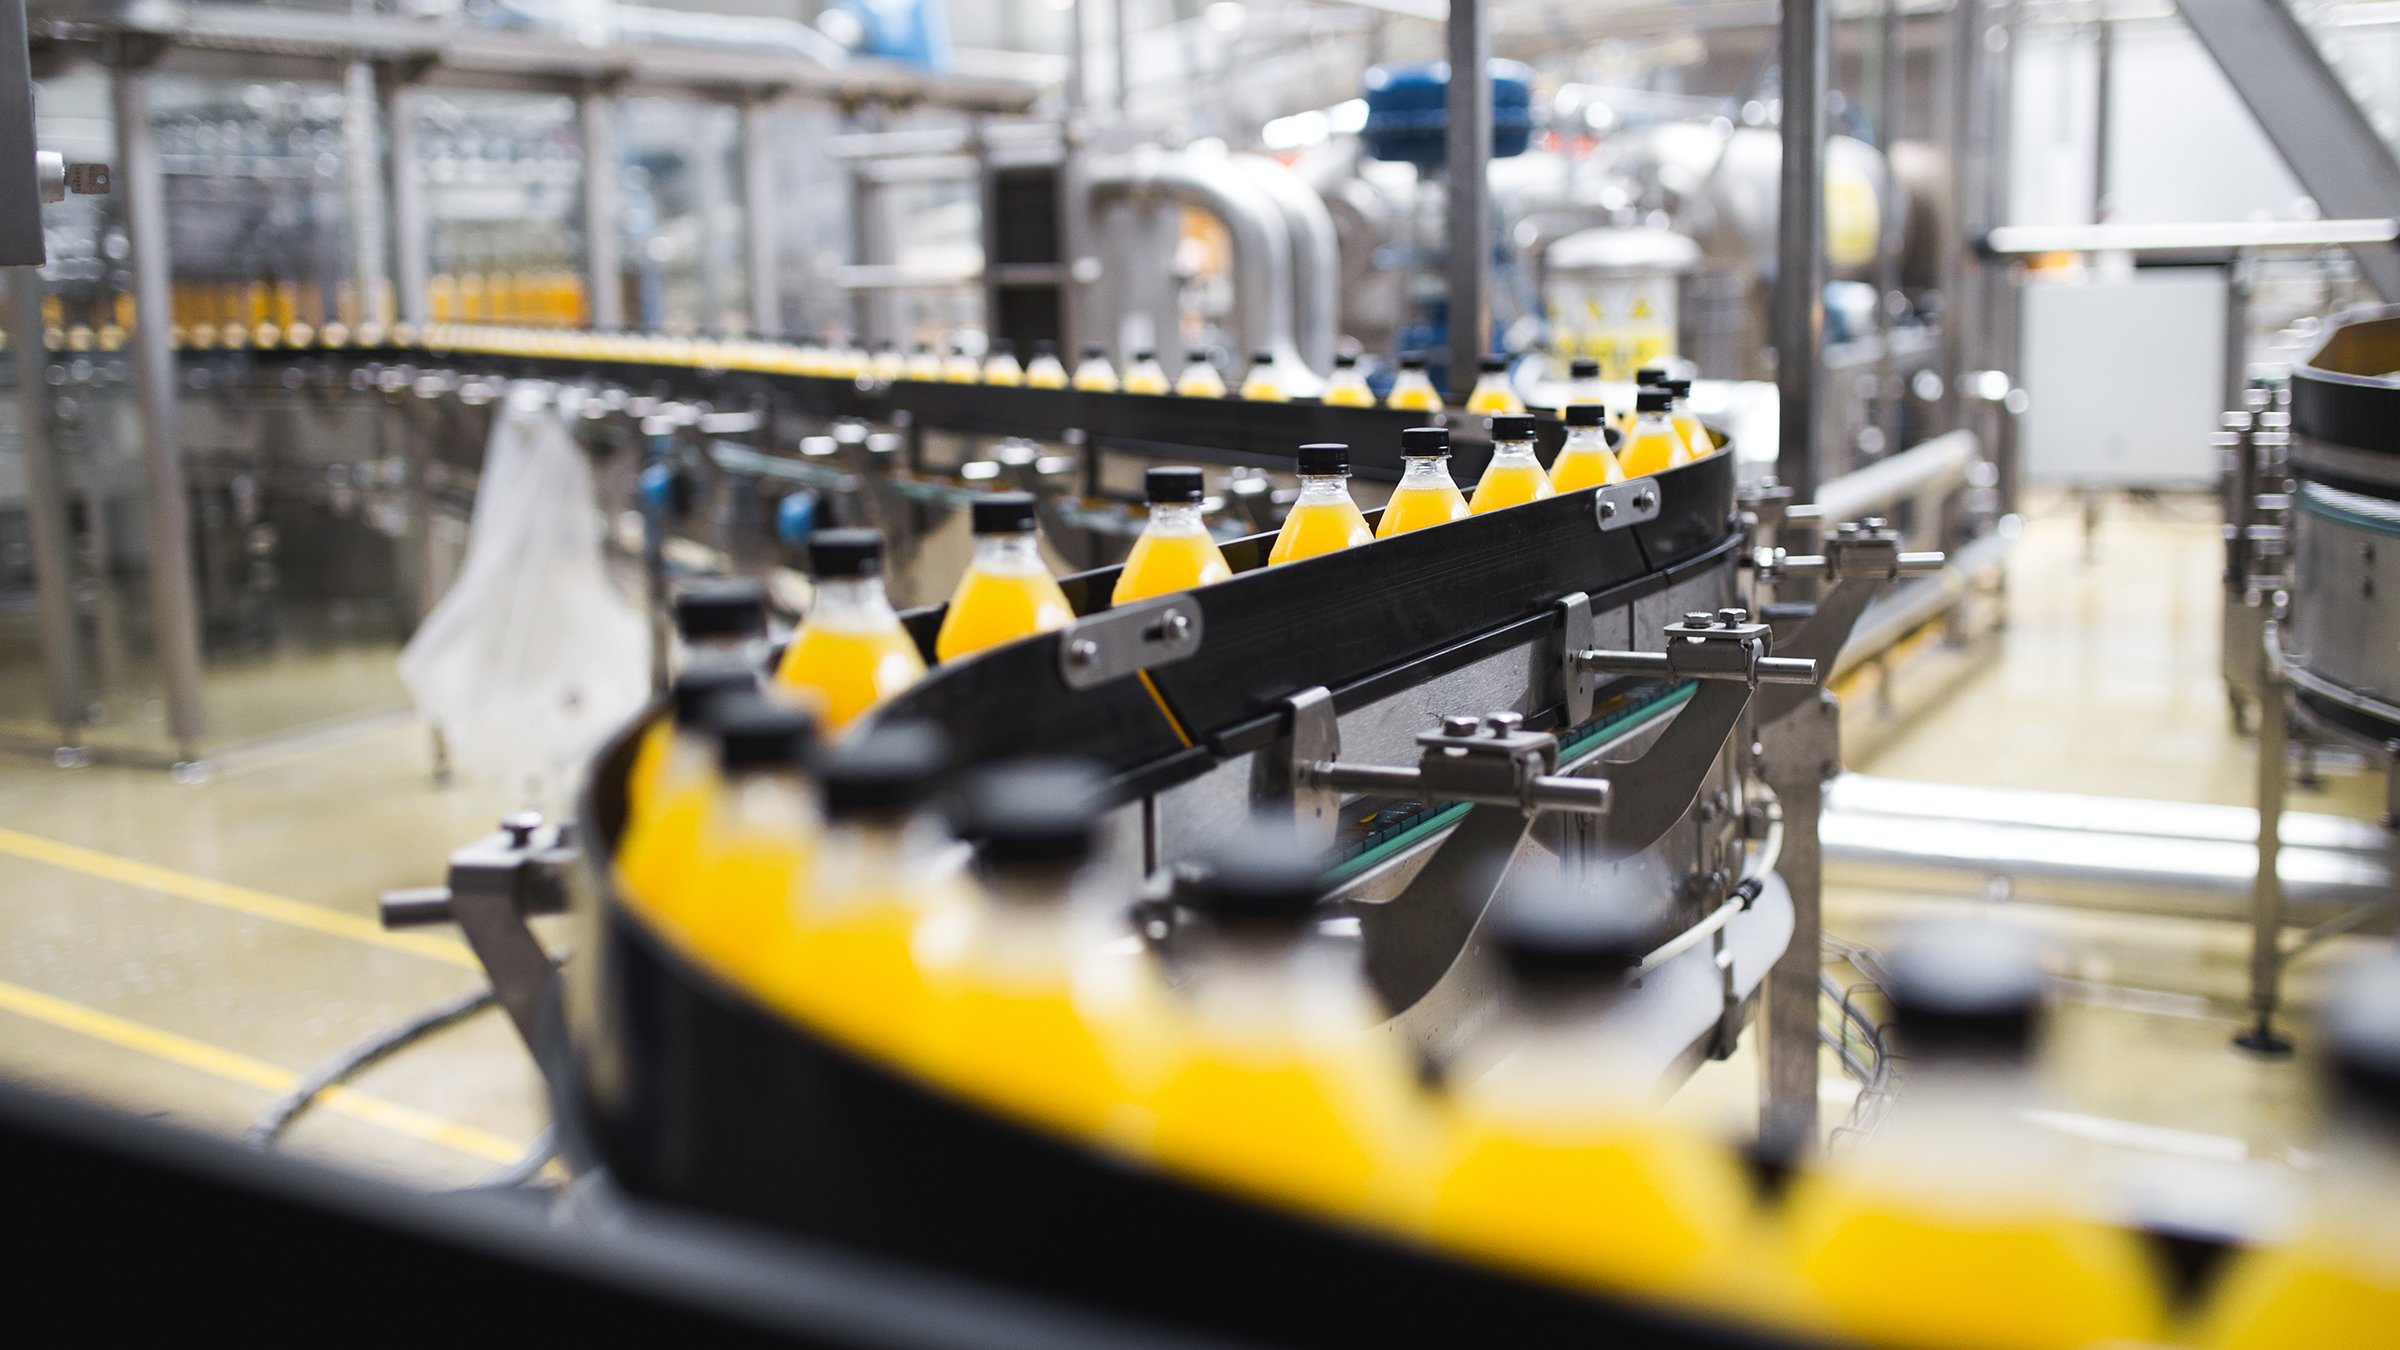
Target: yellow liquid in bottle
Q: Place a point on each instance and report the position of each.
(1414, 508)
(2305, 1295)
(1349, 391)
(1414, 395)
(1629, 1207)
(1164, 563)
(1098, 377)
(845, 964)
(643, 780)
(1505, 485)
(1491, 396)
(1264, 388)
(1322, 1130)
(850, 672)
(1200, 381)
(1653, 449)
(1695, 437)
(1319, 527)
(1146, 379)
(662, 840)
(738, 894)
(993, 607)
(1584, 466)
(1916, 1276)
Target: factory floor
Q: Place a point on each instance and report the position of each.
(188, 952)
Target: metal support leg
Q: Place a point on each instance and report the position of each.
(759, 218)
(362, 145)
(1470, 228)
(1797, 754)
(2266, 889)
(175, 625)
(1799, 316)
(46, 511)
(410, 261)
(603, 271)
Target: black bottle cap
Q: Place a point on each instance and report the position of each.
(923, 349)
(1001, 347)
(1145, 354)
(1095, 351)
(1045, 347)
(1195, 357)
(1585, 415)
(1412, 362)
(887, 345)
(721, 607)
(883, 773)
(846, 553)
(1493, 365)
(1003, 513)
(1555, 937)
(1035, 813)
(693, 695)
(1650, 375)
(1583, 368)
(1512, 427)
(1966, 988)
(1264, 880)
(1323, 458)
(1424, 442)
(2362, 1036)
(1679, 388)
(1172, 483)
(1653, 400)
(1344, 361)
(1262, 357)
(756, 732)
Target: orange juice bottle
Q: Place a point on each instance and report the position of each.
(1175, 551)
(668, 784)
(1000, 365)
(2337, 1281)
(1648, 377)
(1145, 375)
(1654, 446)
(1957, 1228)
(1033, 1007)
(1324, 519)
(845, 960)
(1280, 1081)
(961, 367)
(1412, 390)
(1199, 378)
(1558, 1163)
(1093, 373)
(1007, 592)
(1514, 477)
(732, 893)
(1264, 383)
(1348, 387)
(1679, 415)
(1045, 370)
(887, 364)
(1583, 381)
(922, 364)
(1426, 495)
(1585, 461)
(1492, 392)
(851, 654)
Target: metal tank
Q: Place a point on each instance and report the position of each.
(2342, 633)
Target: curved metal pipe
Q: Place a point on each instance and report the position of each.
(1316, 258)
(1262, 261)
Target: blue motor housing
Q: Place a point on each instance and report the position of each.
(1407, 117)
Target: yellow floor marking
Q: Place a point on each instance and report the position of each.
(225, 895)
(236, 1067)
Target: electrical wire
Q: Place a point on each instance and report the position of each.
(278, 1118)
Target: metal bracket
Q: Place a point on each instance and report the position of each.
(1117, 642)
(1617, 505)
(1316, 739)
(496, 883)
(1859, 558)
(1576, 635)
(1490, 760)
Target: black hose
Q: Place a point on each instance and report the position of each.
(348, 1064)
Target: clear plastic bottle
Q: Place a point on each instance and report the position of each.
(2337, 1280)
(1514, 477)
(923, 364)
(1175, 551)
(1492, 392)
(889, 365)
(1585, 461)
(962, 367)
(720, 622)
(1045, 370)
(1648, 377)
(1412, 389)
(727, 897)
(1000, 365)
(1281, 1083)
(847, 962)
(1035, 1008)
(1263, 383)
(1426, 494)
(1348, 386)
(851, 654)
(1145, 375)
(1324, 519)
(668, 784)
(1199, 378)
(1679, 415)
(1007, 592)
(1959, 1227)
(1583, 381)
(1093, 374)
(1559, 1163)
(1654, 445)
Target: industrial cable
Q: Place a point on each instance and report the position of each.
(332, 1073)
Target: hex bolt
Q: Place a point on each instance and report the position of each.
(1733, 616)
(1461, 725)
(1083, 652)
(1698, 618)
(519, 826)
(1503, 723)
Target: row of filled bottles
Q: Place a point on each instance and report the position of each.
(852, 654)
(268, 313)
(979, 949)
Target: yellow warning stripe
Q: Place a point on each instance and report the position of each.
(233, 1066)
(239, 899)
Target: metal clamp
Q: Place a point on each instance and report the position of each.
(1617, 505)
(1491, 760)
(495, 884)
(1117, 642)
(1725, 645)
(1867, 550)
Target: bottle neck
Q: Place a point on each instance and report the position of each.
(1009, 553)
(1424, 470)
(1565, 1062)
(1514, 452)
(1958, 1138)
(1319, 488)
(1275, 993)
(1650, 421)
(767, 802)
(867, 858)
(851, 602)
(1585, 438)
(1176, 518)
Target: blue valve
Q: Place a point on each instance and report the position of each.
(657, 485)
(796, 517)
